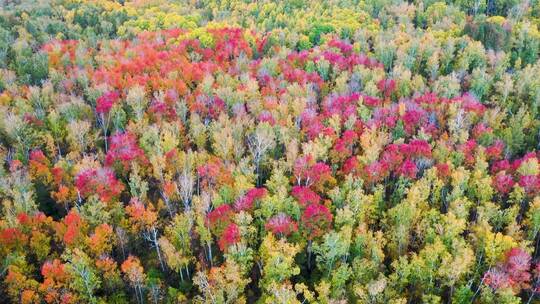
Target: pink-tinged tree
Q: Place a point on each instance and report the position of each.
(468, 149)
(385, 117)
(503, 183)
(480, 130)
(495, 151)
(305, 196)
(516, 164)
(219, 218)
(281, 225)
(514, 272)
(343, 147)
(501, 165)
(371, 101)
(160, 110)
(530, 183)
(123, 150)
(301, 168)
(309, 173)
(343, 106)
(407, 169)
(230, 236)
(247, 201)
(316, 220)
(312, 124)
(104, 103)
(412, 119)
(376, 171)
(393, 155)
(101, 182)
(351, 166)
(518, 265)
(267, 117)
(387, 87)
(427, 99)
(416, 148)
(213, 173)
(497, 278)
(470, 103)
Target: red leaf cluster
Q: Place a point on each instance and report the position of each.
(101, 182)
(514, 272)
(247, 201)
(281, 224)
(123, 149)
(105, 102)
(316, 220)
(230, 236)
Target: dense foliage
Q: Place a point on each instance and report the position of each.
(342, 151)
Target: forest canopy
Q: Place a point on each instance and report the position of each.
(299, 151)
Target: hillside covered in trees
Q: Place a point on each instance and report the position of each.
(300, 151)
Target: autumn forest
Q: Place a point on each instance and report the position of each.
(289, 152)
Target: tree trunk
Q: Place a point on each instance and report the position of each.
(210, 254)
(168, 205)
(156, 244)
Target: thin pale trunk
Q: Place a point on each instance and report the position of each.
(530, 297)
(105, 126)
(168, 205)
(156, 244)
(155, 296)
(84, 275)
(140, 294)
(210, 254)
(187, 205)
(260, 267)
(59, 151)
(151, 236)
(137, 294)
(477, 290)
(106, 144)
